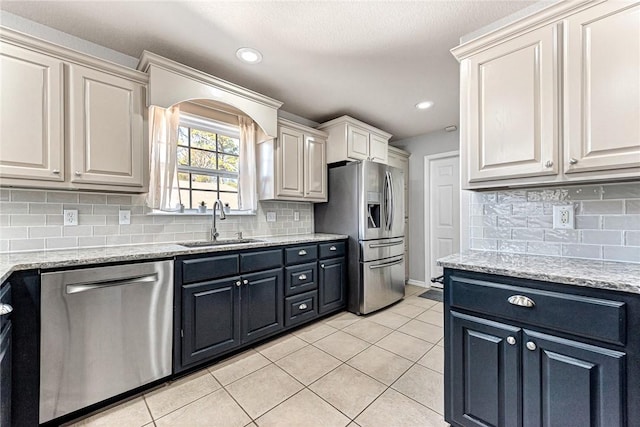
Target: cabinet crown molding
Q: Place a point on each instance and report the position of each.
(552, 13)
(302, 128)
(68, 55)
(171, 82)
(350, 120)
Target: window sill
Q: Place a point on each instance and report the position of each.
(194, 212)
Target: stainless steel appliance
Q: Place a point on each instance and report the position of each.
(104, 331)
(366, 202)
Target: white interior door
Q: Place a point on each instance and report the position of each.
(442, 209)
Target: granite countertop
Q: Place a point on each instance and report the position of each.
(617, 276)
(84, 256)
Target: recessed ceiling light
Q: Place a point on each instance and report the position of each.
(249, 55)
(424, 105)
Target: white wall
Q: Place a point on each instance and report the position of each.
(420, 146)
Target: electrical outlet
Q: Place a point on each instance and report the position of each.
(296, 216)
(124, 217)
(271, 217)
(70, 217)
(563, 216)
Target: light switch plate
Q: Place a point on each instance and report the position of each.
(564, 216)
(271, 217)
(70, 217)
(124, 217)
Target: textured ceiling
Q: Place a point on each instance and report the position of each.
(371, 60)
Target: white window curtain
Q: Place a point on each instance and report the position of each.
(163, 176)
(247, 187)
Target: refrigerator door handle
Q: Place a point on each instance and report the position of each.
(393, 201)
(388, 264)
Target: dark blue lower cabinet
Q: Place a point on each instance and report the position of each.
(262, 305)
(332, 284)
(5, 375)
(571, 384)
(485, 372)
(210, 319)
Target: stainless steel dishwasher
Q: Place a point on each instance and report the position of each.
(104, 331)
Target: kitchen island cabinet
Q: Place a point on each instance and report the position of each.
(522, 352)
(5, 354)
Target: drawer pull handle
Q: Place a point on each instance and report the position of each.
(511, 340)
(302, 306)
(5, 309)
(521, 301)
(302, 252)
(333, 248)
(531, 346)
(302, 277)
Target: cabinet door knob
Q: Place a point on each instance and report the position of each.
(302, 306)
(238, 283)
(245, 281)
(56, 171)
(302, 277)
(77, 173)
(333, 248)
(511, 340)
(531, 345)
(302, 252)
(521, 301)
(5, 309)
(573, 161)
(321, 265)
(548, 164)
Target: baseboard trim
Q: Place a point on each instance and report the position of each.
(416, 283)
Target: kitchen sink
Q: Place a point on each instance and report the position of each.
(206, 243)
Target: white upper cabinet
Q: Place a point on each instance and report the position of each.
(293, 166)
(602, 88)
(351, 139)
(511, 130)
(31, 112)
(47, 87)
(105, 128)
(553, 97)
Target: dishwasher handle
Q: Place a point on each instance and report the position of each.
(83, 287)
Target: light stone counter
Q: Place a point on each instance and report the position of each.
(85, 256)
(617, 276)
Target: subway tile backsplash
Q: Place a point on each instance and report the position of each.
(607, 222)
(32, 220)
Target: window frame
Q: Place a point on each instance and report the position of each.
(191, 121)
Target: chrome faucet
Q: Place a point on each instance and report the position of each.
(214, 231)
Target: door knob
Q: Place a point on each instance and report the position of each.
(548, 164)
(245, 281)
(531, 345)
(56, 172)
(238, 283)
(511, 340)
(321, 265)
(573, 161)
(77, 173)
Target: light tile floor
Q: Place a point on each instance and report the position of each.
(384, 369)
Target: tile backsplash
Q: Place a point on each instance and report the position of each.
(607, 222)
(32, 220)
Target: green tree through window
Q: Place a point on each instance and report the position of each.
(207, 164)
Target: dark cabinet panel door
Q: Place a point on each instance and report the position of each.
(484, 372)
(332, 284)
(5, 375)
(568, 383)
(262, 304)
(211, 318)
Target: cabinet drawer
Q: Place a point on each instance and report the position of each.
(599, 319)
(301, 278)
(300, 308)
(262, 260)
(301, 254)
(5, 298)
(331, 250)
(201, 269)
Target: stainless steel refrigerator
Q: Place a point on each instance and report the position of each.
(366, 202)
